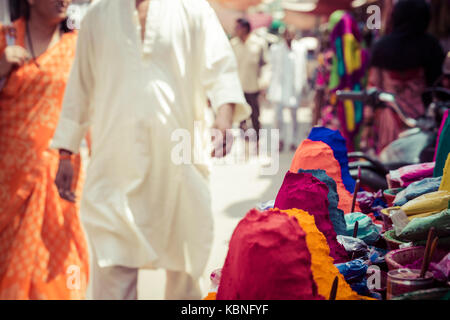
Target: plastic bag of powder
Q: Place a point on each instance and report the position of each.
(367, 230)
(411, 173)
(417, 229)
(417, 189)
(353, 271)
(353, 245)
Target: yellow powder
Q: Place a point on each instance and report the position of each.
(322, 267)
(422, 215)
(445, 183)
(428, 203)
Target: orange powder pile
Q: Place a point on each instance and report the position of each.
(313, 155)
(322, 267)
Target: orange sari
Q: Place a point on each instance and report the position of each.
(43, 252)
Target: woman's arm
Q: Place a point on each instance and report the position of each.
(13, 56)
(10, 56)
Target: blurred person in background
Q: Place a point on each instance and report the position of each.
(324, 61)
(288, 63)
(348, 72)
(440, 22)
(41, 238)
(142, 75)
(445, 81)
(250, 51)
(404, 62)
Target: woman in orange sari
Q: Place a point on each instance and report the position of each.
(43, 252)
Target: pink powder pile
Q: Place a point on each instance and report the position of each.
(304, 191)
(267, 259)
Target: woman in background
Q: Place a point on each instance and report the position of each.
(322, 79)
(43, 253)
(404, 63)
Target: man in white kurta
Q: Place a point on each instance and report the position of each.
(288, 60)
(139, 208)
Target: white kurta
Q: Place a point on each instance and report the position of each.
(289, 73)
(5, 17)
(138, 207)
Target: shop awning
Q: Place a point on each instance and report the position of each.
(319, 7)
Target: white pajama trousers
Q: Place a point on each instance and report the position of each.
(280, 125)
(120, 283)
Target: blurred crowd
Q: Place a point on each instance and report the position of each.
(403, 57)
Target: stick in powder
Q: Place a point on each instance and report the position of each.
(355, 235)
(334, 287)
(355, 192)
(426, 253)
(430, 255)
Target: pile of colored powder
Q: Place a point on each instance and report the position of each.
(336, 141)
(322, 267)
(445, 183)
(444, 121)
(305, 192)
(336, 215)
(368, 231)
(267, 259)
(313, 155)
(443, 149)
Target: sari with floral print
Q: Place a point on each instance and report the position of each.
(43, 252)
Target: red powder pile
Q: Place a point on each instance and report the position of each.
(268, 259)
(312, 155)
(304, 191)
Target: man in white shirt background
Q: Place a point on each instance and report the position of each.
(144, 70)
(250, 51)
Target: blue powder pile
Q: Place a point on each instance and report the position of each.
(336, 141)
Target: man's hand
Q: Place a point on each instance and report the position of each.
(64, 178)
(224, 121)
(14, 56)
